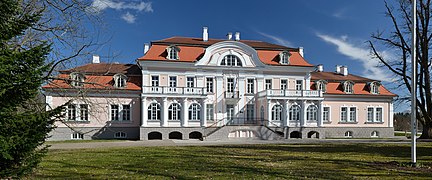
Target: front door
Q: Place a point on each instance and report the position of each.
(230, 113)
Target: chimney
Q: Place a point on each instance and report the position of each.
(229, 36)
(344, 70)
(320, 68)
(338, 69)
(205, 34)
(146, 48)
(301, 51)
(237, 36)
(96, 59)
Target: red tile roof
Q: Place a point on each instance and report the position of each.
(332, 76)
(94, 82)
(106, 69)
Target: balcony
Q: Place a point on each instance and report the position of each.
(232, 97)
(182, 91)
(290, 93)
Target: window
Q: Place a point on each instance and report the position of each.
(353, 114)
(154, 112)
(312, 113)
(294, 113)
(209, 84)
(250, 86)
(77, 79)
(231, 60)
(172, 81)
(284, 57)
(374, 134)
(326, 114)
(250, 112)
(321, 85)
(126, 112)
(370, 114)
(378, 114)
(194, 112)
(268, 84)
(210, 112)
(230, 85)
(173, 52)
(348, 134)
(299, 85)
(77, 135)
(120, 134)
(115, 112)
(374, 87)
(190, 82)
(120, 81)
(284, 84)
(154, 81)
(174, 111)
(277, 113)
(344, 114)
(78, 112)
(348, 87)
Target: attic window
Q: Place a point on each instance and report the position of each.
(374, 87)
(231, 60)
(284, 57)
(348, 87)
(173, 52)
(120, 80)
(77, 79)
(320, 85)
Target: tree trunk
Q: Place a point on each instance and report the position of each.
(427, 131)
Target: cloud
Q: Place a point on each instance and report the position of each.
(340, 13)
(129, 18)
(277, 40)
(100, 5)
(361, 54)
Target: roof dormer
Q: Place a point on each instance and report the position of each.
(348, 87)
(77, 79)
(172, 52)
(374, 87)
(321, 85)
(284, 57)
(120, 80)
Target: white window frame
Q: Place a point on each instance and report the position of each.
(295, 115)
(174, 110)
(277, 113)
(230, 87)
(210, 112)
(349, 114)
(78, 113)
(348, 87)
(268, 83)
(173, 53)
(120, 80)
(367, 114)
(348, 134)
(194, 112)
(328, 114)
(152, 111)
(341, 119)
(376, 114)
(299, 86)
(190, 84)
(284, 57)
(250, 112)
(121, 117)
(154, 82)
(172, 82)
(312, 115)
(120, 135)
(77, 79)
(209, 84)
(284, 86)
(231, 60)
(77, 136)
(250, 86)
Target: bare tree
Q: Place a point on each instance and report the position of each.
(397, 41)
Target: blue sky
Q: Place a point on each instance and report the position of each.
(332, 32)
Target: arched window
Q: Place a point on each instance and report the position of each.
(277, 112)
(154, 112)
(194, 112)
(348, 134)
(348, 87)
(231, 60)
(321, 85)
(374, 87)
(294, 113)
(312, 113)
(173, 52)
(77, 79)
(174, 112)
(284, 57)
(120, 80)
(374, 134)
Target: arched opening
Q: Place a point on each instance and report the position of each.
(295, 134)
(313, 134)
(374, 134)
(349, 134)
(175, 135)
(195, 135)
(154, 136)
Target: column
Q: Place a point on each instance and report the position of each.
(241, 105)
(203, 114)
(184, 122)
(260, 85)
(320, 114)
(390, 116)
(144, 115)
(306, 85)
(286, 117)
(269, 112)
(164, 109)
(303, 114)
(219, 95)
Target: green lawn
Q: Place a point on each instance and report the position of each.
(328, 161)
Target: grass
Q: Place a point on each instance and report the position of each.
(290, 161)
(83, 141)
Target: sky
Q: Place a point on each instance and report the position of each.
(332, 32)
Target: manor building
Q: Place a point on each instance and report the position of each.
(184, 88)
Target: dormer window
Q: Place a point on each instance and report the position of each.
(320, 85)
(348, 87)
(77, 79)
(374, 87)
(173, 52)
(231, 60)
(284, 57)
(120, 80)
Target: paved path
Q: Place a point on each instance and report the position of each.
(98, 144)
